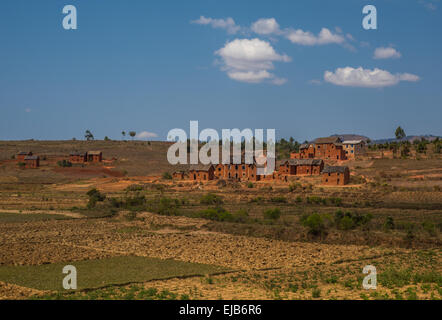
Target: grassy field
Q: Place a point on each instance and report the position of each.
(7, 217)
(104, 272)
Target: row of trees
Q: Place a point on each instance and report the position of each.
(89, 136)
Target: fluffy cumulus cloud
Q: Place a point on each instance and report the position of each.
(266, 26)
(307, 38)
(386, 53)
(146, 135)
(228, 24)
(249, 60)
(359, 77)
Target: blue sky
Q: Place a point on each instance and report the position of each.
(155, 65)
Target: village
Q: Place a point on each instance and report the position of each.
(324, 157)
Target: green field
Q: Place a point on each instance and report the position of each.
(104, 272)
(6, 217)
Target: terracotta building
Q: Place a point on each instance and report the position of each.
(306, 151)
(180, 175)
(335, 175)
(32, 162)
(94, 156)
(22, 155)
(77, 157)
(301, 167)
(354, 148)
(329, 148)
(201, 172)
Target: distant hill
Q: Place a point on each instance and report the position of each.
(344, 137)
(411, 139)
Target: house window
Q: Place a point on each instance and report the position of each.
(243, 167)
(326, 180)
(236, 167)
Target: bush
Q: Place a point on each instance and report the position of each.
(278, 199)
(164, 206)
(211, 199)
(167, 176)
(389, 223)
(94, 197)
(64, 163)
(257, 199)
(348, 220)
(217, 214)
(429, 227)
(315, 223)
(272, 214)
(335, 200)
(241, 216)
(250, 185)
(294, 186)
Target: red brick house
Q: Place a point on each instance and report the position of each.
(94, 156)
(301, 167)
(329, 148)
(336, 175)
(201, 172)
(32, 162)
(77, 157)
(180, 175)
(306, 151)
(22, 155)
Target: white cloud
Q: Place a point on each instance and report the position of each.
(266, 26)
(146, 135)
(307, 38)
(228, 24)
(359, 77)
(249, 60)
(386, 53)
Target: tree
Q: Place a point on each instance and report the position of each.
(132, 134)
(88, 135)
(123, 133)
(400, 133)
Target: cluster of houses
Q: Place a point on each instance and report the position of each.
(32, 161)
(83, 157)
(330, 148)
(308, 161)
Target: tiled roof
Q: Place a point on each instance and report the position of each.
(333, 169)
(328, 140)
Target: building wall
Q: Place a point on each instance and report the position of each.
(77, 159)
(336, 178)
(354, 150)
(199, 175)
(32, 164)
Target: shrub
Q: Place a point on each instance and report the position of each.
(257, 199)
(94, 197)
(64, 163)
(135, 187)
(294, 186)
(272, 214)
(315, 223)
(211, 199)
(389, 223)
(164, 206)
(429, 227)
(278, 199)
(335, 200)
(217, 214)
(167, 176)
(298, 199)
(241, 216)
(250, 185)
(348, 220)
